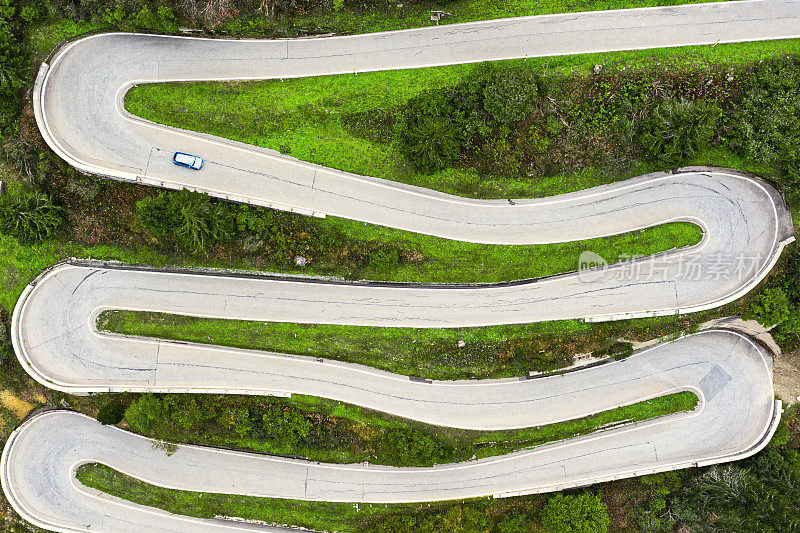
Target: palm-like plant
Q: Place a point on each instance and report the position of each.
(29, 215)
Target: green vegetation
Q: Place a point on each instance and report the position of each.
(29, 215)
(330, 431)
(111, 413)
(459, 353)
(578, 130)
(778, 302)
(193, 222)
(193, 219)
(766, 128)
(758, 494)
(361, 16)
(580, 513)
(13, 62)
(678, 129)
(515, 515)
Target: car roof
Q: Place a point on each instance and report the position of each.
(184, 158)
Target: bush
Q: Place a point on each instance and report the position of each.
(771, 307)
(163, 20)
(286, 425)
(428, 133)
(407, 446)
(13, 64)
(6, 347)
(25, 157)
(28, 215)
(144, 413)
(767, 127)
(195, 220)
(510, 93)
(581, 513)
(384, 259)
(677, 129)
(111, 413)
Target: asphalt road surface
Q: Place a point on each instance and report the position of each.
(78, 105)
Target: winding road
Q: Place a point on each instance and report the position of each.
(78, 104)
(735, 418)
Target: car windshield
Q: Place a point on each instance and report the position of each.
(185, 159)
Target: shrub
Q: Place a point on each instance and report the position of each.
(428, 132)
(581, 513)
(677, 129)
(144, 413)
(499, 153)
(29, 215)
(195, 220)
(768, 130)
(162, 20)
(84, 188)
(771, 307)
(32, 164)
(510, 93)
(6, 347)
(407, 446)
(616, 350)
(757, 495)
(13, 64)
(384, 259)
(788, 332)
(286, 425)
(111, 413)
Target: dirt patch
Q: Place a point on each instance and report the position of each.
(786, 376)
(16, 404)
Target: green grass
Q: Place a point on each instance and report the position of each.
(344, 517)
(402, 15)
(488, 352)
(44, 37)
(455, 261)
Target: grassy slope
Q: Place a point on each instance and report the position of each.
(488, 352)
(415, 14)
(340, 517)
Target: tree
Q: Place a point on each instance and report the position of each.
(111, 413)
(677, 129)
(143, 414)
(29, 215)
(770, 308)
(580, 513)
(428, 133)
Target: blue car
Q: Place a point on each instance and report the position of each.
(188, 161)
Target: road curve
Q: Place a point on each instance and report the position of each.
(735, 418)
(55, 336)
